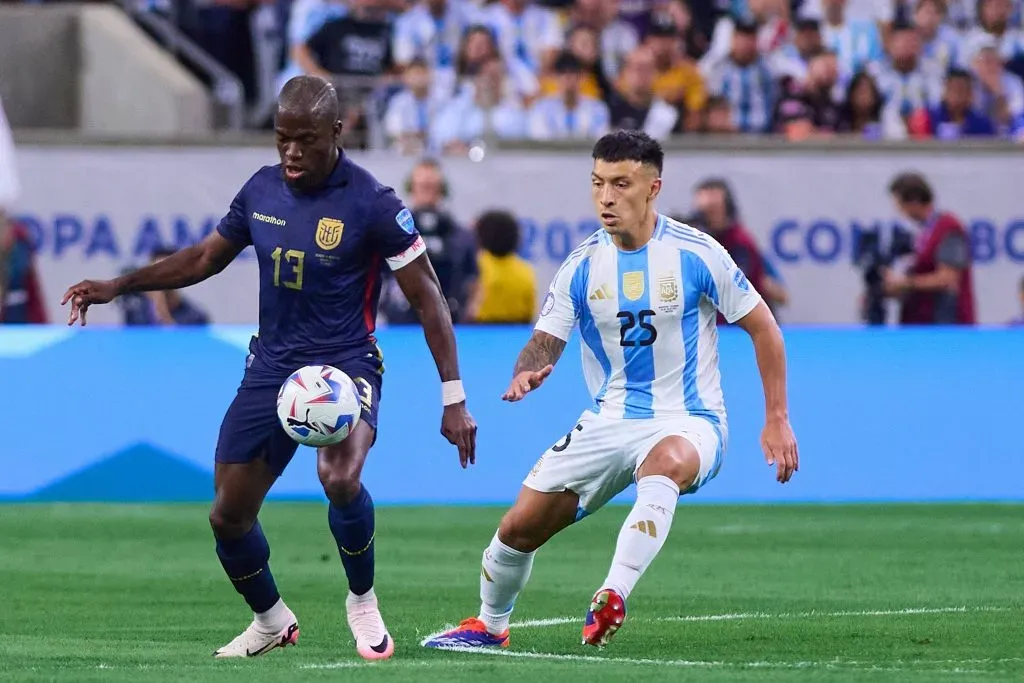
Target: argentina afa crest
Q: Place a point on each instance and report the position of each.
(328, 233)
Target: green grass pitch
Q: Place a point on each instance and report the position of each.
(779, 593)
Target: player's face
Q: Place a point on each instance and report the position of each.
(308, 147)
(623, 193)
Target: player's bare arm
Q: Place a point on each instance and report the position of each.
(181, 269)
(777, 439)
(535, 363)
(420, 285)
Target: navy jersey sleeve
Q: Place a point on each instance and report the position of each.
(234, 227)
(394, 231)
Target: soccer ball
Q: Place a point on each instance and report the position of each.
(318, 405)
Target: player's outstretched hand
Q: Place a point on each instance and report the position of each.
(779, 445)
(86, 293)
(458, 426)
(525, 382)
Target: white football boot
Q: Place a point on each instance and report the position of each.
(373, 641)
(253, 642)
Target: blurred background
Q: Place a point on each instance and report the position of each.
(860, 159)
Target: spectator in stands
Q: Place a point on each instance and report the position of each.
(745, 78)
(856, 43)
(696, 39)
(863, 112)
(998, 94)
(938, 287)
(581, 42)
(955, 117)
(634, 105)
(410, 112)
(718, 215)
(451, 248)
(487, 110)
(508, 285)
(21, 298)
(357, 44)
(526, 33)
(307, 17)
(765, 20)
(476, 48)
(905, 85)
(570, 114)
(432, 30)
(994, 27)
(161, 308)
(809, 109)
(617, 38)
(940, 43)
(718, 118)
(677, 79)
(793, 57)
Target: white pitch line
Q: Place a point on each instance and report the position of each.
(711, 664)
(741, 616)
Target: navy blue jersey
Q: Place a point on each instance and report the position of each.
(321, 257)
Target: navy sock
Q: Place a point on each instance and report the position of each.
(247, 563)
(352, 526)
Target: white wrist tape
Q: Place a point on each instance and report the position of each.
(452, 392)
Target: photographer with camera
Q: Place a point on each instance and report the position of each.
(876, 252)
(938, 287)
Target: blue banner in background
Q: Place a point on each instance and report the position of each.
(889, 415)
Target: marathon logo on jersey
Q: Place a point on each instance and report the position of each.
(741, 280)
(264, 218)
(633, 285)
(328, 233)
(405, 221)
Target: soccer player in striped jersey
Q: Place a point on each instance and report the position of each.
(644, 292)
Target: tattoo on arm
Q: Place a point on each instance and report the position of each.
(542, 350)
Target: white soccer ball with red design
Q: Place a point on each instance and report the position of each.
(318, 405)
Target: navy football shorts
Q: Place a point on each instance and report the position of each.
(251, 430)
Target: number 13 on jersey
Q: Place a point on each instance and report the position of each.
(292, 258)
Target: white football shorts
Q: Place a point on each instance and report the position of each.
(600, 456)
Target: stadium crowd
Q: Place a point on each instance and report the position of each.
(446, 74)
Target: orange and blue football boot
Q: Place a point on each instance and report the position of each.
(471, 633)
(605, 616)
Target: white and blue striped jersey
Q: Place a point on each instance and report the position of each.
(856, 44)
(648, 320)
(751, 90)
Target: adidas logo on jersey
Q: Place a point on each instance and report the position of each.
(600, 294)
(646, 527)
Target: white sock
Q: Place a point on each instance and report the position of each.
(366, 598)
(503, 573)
(275, 619)
(643, 533)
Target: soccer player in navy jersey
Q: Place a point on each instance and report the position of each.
(322, 228)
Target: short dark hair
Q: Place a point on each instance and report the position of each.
(911, 187)
(567, 63)
(630, 145)
(498, 232)
(902, 25)
(957, 72)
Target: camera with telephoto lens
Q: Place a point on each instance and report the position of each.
(875, 251)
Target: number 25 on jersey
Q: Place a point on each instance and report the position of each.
(629, 321)
(293, 260)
